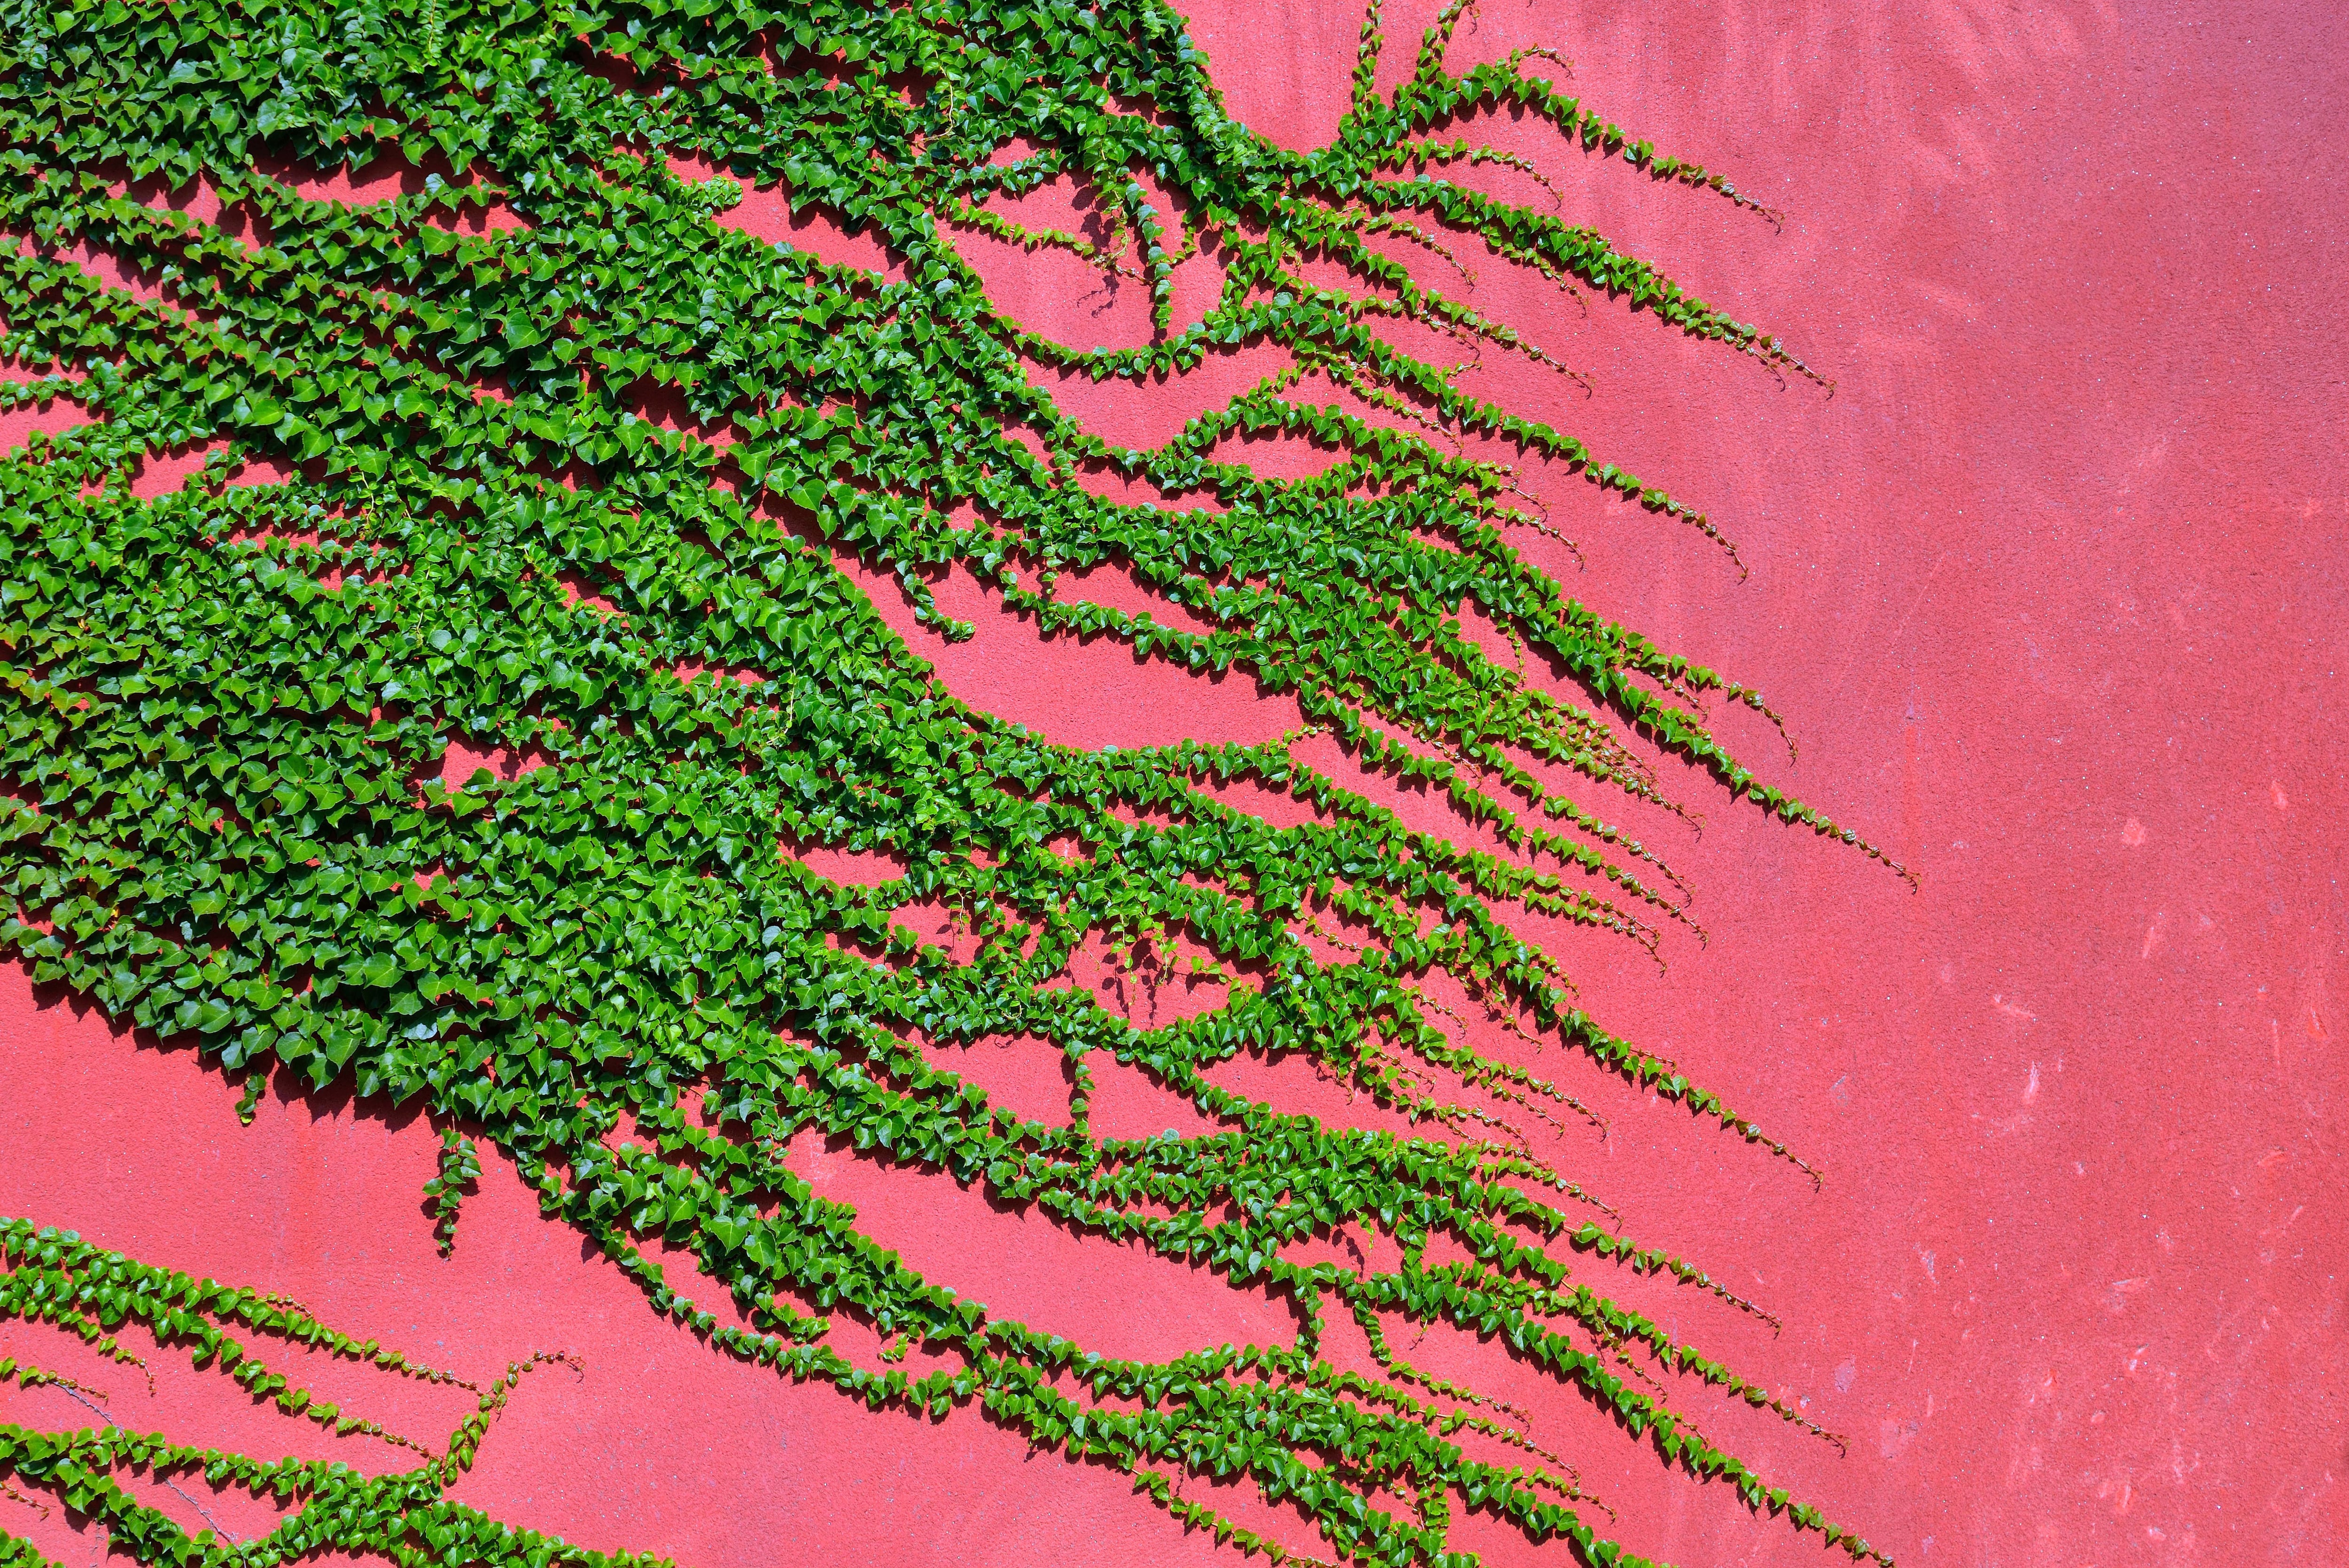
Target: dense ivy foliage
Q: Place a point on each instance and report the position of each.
(228, 708)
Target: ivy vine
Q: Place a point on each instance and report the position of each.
(228, 708)
(54, 1276)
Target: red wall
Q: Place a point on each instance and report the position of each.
(2050, 592)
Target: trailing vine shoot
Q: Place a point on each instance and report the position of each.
(434, 513)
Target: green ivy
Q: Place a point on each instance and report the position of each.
(53, 1276)
(460, 1167)
(228, 708)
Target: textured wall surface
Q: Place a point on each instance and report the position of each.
(2051, 593)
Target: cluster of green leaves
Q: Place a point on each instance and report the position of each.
(228, 708)
(445, 1194)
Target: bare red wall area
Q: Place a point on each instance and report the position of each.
(2051, 592)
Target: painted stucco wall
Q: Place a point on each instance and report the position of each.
(2051, 593)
